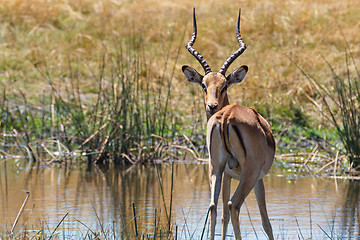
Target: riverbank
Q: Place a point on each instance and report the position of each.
(93, 82)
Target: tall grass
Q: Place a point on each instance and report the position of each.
(346, 117)
(341, 105)
(122, 120)
(60, 28)
(61, 38)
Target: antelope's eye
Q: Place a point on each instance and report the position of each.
(224, 88)
(203, 86)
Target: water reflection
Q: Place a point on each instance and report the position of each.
(350, 211)
(299, 207)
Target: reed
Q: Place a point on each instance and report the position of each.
(111, 233)
(117, 122)
(64, 62)
(20, 212)
(341, 104)
(156, 226)
(347, 97)
(169, 230)
(57, 226)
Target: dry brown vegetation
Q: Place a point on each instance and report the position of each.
(53, 34)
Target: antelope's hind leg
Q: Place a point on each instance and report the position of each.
(247, 183)
(250, 172)
(226, 196)
(217, 162)
(260, 198)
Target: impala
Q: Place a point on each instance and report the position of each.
(240, 141)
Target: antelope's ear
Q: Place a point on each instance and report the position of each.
(237, 76)
(192, 75)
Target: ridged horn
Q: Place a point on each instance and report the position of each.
(195, 53)
(238, 52)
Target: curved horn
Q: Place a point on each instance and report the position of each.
(195, 53)
(238, 52)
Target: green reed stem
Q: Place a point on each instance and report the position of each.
(57, 226)
(97, 217)
(206, 219)
(135, 222)
(171, 194)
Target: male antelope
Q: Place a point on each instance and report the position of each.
(239, 139)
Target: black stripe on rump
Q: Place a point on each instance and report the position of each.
(238, 133)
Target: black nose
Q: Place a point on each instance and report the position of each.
(212, 108)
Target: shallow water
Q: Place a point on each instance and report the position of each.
(298, 207)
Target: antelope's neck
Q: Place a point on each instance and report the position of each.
(223, 103)
(226, 100)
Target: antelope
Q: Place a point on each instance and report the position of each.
(240, 141)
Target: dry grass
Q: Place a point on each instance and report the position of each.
(51, 34)
(57, 29)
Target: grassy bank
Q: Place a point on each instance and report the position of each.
(102, 79)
